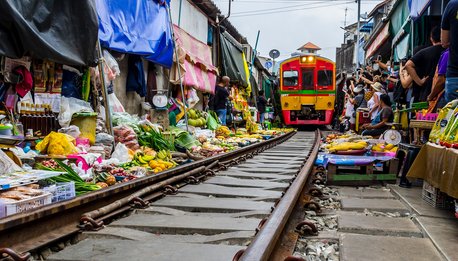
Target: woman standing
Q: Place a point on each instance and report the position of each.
(374, 103)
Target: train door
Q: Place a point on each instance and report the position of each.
(308, 81)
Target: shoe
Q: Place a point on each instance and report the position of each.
(404, 183)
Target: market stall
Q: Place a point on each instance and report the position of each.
(63, 131)
(351, 158)
(436, 163)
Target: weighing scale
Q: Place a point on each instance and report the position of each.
(160, 113)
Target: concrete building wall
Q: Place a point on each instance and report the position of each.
(193, 20)
(130, 100)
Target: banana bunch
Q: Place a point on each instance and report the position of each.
(148, 151)
(140, 159)
(346, 146)
(223, 131)
(384, 148)
(164, 155)
(160, 165)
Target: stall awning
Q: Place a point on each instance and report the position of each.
(61, 31)
(401, 49)
(232, 60)
(195, 60)
(267, 86)
(417, 7)
(136, 27)
(398, 16)
(367, 28)
(378, 41)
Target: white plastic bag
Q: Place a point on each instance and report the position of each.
(69, 106)
(71, 130)
(115, 104)
(121, 153)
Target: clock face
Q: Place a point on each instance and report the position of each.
(160, 100)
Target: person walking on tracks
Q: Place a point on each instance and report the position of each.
(221, 98)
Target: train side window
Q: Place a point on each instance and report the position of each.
(307, 79)
(290, 78)
(325, 78)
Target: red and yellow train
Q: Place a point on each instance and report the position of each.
(308, 90)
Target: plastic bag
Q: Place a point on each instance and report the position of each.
(57, 144)
(104, 139)
(111, 67)
(193, 98)
(71, 130)
(126, 135)
(121, 153)
(115, 104)
(69, 106)
(124, 118)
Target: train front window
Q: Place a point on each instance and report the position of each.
(290, 78)
(307, 79)
(325, 78)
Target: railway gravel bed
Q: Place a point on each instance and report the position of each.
(369, 223)
(208, 221)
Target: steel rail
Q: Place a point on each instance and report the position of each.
(263, 244)
(29, 231)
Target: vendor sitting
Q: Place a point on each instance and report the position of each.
(384, 116)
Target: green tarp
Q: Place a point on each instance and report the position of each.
(399, 16)
(267, 87)
(232, 61)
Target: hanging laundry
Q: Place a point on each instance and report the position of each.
(136, 76)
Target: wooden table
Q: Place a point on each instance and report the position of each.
(419, 127)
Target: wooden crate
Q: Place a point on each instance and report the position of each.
(343, 174)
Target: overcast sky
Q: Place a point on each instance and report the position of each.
(288, 24)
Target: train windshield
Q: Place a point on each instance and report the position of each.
(325, 78)
(307, 79)
(290, 78)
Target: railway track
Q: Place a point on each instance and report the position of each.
(219, 216)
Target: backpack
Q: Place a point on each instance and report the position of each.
(399, 94)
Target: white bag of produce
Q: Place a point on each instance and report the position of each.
(121, 153)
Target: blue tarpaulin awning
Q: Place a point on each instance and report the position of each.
(137, 27)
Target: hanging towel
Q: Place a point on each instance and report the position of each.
(136, 76)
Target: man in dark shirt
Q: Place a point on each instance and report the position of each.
(221, 98)
(422, 67)
(262, 102)
(449, 37)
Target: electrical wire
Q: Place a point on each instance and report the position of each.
(256, 13)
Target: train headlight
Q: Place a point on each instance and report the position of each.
(286, 104)
(307, 59)
(329, 104)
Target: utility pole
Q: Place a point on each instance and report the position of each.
(345, 22)
(357, 33)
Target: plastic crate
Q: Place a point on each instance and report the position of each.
(61, 191)
(20, 206)
(426, 117)
(434, 197)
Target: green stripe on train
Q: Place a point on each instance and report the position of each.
(307, 92)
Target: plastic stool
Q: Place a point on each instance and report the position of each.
(407, 154)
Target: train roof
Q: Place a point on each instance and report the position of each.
(298, 55)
